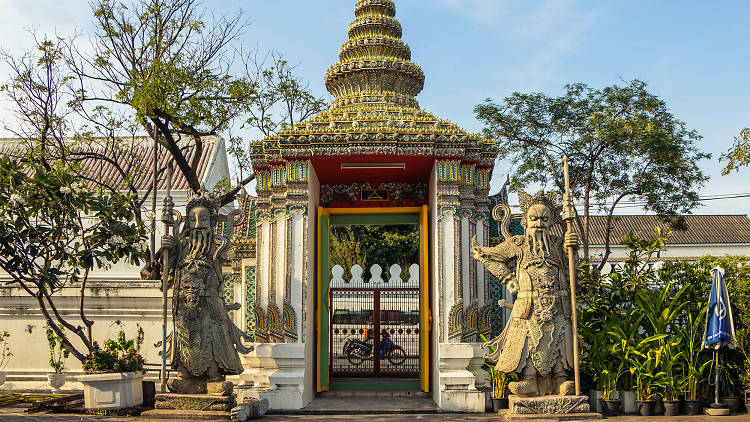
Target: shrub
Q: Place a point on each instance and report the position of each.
(117, 356)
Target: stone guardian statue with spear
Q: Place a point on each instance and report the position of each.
(537, 342)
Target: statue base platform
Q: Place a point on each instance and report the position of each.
(549, 408)
(192, 407)
(186, 415)
(507, 416)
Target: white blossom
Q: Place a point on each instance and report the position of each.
(16, 200)
(66, 189)
(116, 240)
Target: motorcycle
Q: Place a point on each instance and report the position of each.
(358, 351)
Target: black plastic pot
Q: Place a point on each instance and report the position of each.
(692, 407)
(734, 403)
(611, 407)
(658, 407)
(499, 404)
(645, 407)
(671, 408)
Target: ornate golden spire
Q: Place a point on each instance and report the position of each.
(374, 64)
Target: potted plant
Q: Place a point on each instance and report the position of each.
(673, 383)
(113, 375)
(499, 381)
(611, 405)
(730, 372)
(644, 362)
(5, 355)
(695, 361)
(57, 355)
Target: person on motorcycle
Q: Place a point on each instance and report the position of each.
(370, 329)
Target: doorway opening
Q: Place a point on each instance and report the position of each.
(373, 297)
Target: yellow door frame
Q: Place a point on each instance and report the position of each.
(322, 375)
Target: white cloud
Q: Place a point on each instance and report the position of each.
(548, 30)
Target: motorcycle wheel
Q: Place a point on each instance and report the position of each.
(397, 356)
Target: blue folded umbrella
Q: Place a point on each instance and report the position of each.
(719, 323)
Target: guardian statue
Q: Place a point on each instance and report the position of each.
(537, 342)
(205, 341)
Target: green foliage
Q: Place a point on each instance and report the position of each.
(346, 249)
(58, 352)
(54, 230)
(499, 380)
(642, 326)
(5, 353)
(622, 142)
(367, 245)
(739, 155)
(118, 355)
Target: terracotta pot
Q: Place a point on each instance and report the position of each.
(692, 407)
(56, 381)
(611, 407)
(646, 407)
(671, 408)
(734, 403)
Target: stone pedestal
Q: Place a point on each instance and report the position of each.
(458, 392)
(549, 408)
(192, 407)
(276, 372)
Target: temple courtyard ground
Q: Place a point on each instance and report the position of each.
(16, 414)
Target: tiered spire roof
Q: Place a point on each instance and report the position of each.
(374, 64)
(374, 110)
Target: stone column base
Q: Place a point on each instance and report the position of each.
(462, 401)
(279, 399)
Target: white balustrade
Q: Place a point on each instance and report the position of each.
(375, 279)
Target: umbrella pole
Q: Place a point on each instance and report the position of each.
(718, 370)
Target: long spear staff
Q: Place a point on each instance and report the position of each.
(569, 214)
(166, 218)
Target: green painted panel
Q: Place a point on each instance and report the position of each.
(324, 359)
(371, 385)
(374, 219)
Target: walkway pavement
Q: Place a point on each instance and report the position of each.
(16, 414)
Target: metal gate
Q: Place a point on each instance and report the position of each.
(374, 332)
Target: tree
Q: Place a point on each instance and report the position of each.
(739, 155)
(171, 65)
(153, 67)
(54, 230)
(622, 142)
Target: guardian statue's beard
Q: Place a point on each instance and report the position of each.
(199, 243)
(539, 242)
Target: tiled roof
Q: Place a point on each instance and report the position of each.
(702, 229)
(139, 159)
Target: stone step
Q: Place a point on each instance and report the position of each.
(373, 405)
(371, 393)
(186, 415)
(193, 402)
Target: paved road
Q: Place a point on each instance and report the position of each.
(17, 415)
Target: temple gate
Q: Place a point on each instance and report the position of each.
(374, 157)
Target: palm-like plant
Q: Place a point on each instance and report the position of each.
(645, 360)
(671, 363)
(499, 380)
(696, 361)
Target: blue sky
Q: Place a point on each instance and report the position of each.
(694, 54)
